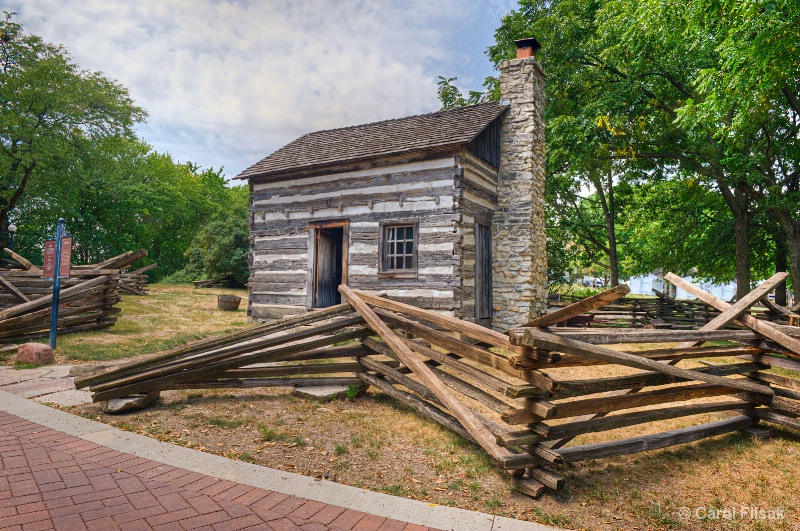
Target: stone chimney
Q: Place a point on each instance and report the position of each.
(519, 256)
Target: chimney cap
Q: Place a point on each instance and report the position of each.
(530, 42)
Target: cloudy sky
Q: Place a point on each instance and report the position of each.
(226, 82)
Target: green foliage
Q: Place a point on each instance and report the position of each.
(49, 111)
(68, 150)
(451, 98)
(659, 91)
(221, 247)
(352, 392)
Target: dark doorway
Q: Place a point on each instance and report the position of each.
(328, 266)
(483, 274)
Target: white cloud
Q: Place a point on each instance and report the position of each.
(227, 82)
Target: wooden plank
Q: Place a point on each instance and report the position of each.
(777, 418)
(385, 369)
(613, 336)
(775, 308)
(573, 429)
(141, 270)
(250, 383)
(565, 388)
(460, 348)
(621, 400)
(123, 260)
(779, 403)
(541, 339)
(764, 328)
(468, 371)
(289, 370)
(775, 379)
(519, 416)
(666, 354)
(475, 331)
(547, 477)
(465, 416)
(528, 486)
(234, 352)
(590, 303)
(210, 343)
(13, 290)
(773, 361)
(47, 300)
(518, 438)
(652, 442)
(22, 260)
(209, 369)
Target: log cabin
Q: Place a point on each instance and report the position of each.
(442, 210)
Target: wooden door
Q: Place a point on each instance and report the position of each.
(483, 274)
(328, 267)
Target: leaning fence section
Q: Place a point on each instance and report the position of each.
(513, 394)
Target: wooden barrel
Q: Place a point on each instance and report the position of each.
(228, 303)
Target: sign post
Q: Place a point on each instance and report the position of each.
(57, 258)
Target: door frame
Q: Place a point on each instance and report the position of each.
(313, 227)
(487, 289)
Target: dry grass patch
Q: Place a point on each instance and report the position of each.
(171, 315)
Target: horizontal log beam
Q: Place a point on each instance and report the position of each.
(655, 441)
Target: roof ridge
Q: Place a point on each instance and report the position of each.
(440, 111)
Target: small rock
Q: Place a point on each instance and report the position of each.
(130, 403)
(322, 393)
(35, 353)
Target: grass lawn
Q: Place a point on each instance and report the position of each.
(171, 315)
(376, 443)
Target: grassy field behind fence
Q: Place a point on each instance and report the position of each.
(171, 315)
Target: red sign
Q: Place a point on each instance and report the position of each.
(66, 256)
(50, 258)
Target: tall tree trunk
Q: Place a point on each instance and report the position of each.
(739, 203)
(609, 214)
(791, 229)
(780, 267)
(7, 205)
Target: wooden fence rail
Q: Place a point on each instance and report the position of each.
(511, 394)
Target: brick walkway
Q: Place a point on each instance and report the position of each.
(52, 480)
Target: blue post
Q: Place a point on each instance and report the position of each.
(56, 284)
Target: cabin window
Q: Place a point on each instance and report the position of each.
(399, 248)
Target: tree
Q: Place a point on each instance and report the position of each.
(48, 108)
(116, 194)
(221, 247)
(649, 73)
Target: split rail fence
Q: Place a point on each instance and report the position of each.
(87, 302)
(507, 392)
(661, 311)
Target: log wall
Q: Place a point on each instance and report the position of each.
(438, 192)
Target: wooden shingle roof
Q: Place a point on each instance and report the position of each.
(434, 131)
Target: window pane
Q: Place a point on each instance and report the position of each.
(398, 252)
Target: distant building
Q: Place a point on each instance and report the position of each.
(644, 285)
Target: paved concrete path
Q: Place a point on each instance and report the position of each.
(60, 471)
(49, 384)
